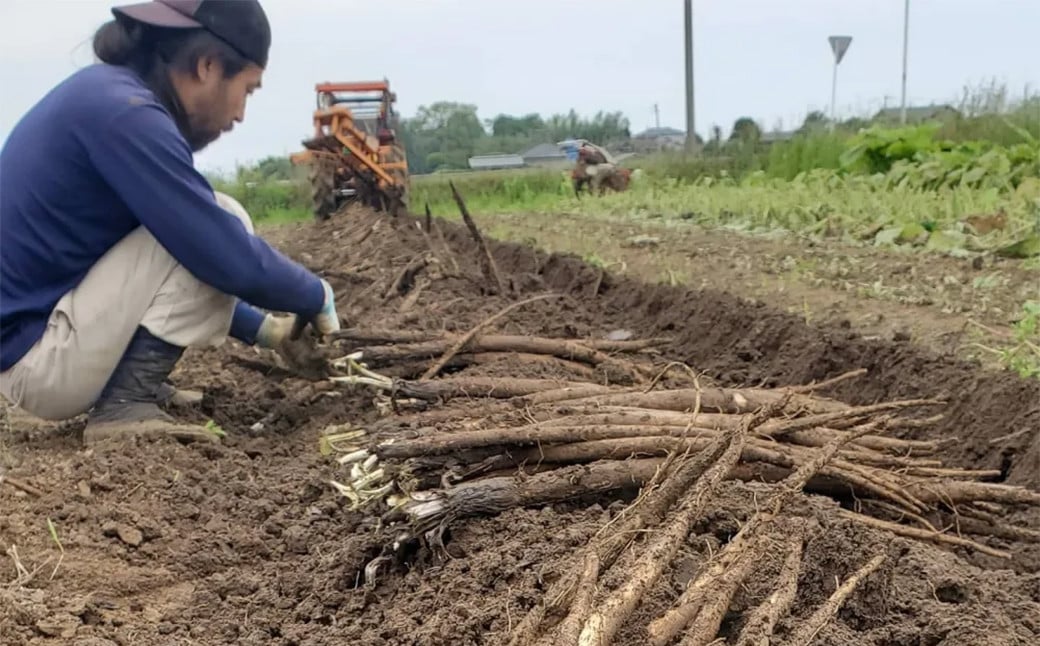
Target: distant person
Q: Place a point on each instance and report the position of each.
(115, 253)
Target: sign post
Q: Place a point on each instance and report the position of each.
(839, 45)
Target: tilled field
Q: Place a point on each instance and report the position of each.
(250, 542)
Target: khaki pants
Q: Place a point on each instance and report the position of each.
(136, 283)
(600, 173)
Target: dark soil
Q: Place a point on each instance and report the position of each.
(247, 542)
(934, 299)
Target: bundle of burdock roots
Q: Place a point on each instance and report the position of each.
(454, 446)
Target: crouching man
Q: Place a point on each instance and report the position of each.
(115, 253)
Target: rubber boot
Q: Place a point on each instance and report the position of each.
(129, 404)
(170, 396)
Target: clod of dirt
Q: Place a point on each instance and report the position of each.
(61, 625)
(642, 241)
(126, 533)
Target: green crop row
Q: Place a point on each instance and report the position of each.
(916, 157)
(868, 209)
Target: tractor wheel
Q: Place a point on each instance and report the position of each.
(368, 195)
(323, 189)
(400, 176)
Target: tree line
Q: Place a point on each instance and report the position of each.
(444, 135)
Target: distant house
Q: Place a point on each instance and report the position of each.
(545, 155)
(918, 114)
(656, 139)
(775, 136)
(496, 161)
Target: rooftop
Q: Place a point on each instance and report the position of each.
(663, 131)
(915, 113)
(496, 160)
(545, 151)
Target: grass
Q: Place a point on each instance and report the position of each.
(280, 215)
(488, 191)
(805, 152)
(57, 541)
(273, 202)
(215, 429)
(1018, 351)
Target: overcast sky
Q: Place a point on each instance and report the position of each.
(768, 59)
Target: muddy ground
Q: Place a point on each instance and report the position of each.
(246, 542)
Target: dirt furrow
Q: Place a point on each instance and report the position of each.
(248, 543)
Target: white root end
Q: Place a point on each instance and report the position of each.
(364, 474)
(359, 374)
(345, 362)
(372, 569)
(385, 407)
(381, 492)
(368, 479)
(332, 438)
(354, 380)
(355, 456)
(591, 634)
(740, 400)
(425, 510)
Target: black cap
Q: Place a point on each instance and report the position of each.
(242, 24)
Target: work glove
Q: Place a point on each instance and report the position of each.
(302, 355)
(274, 330)
(288, 337)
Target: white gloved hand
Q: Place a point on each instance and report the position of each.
(302, 357)
(274, 330)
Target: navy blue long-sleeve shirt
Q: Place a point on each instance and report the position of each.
(97, 157)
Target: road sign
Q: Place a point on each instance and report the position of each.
(839, 45)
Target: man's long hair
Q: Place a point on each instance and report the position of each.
(154, 53)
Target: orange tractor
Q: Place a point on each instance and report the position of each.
(355, 154)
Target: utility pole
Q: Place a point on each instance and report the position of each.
(834, 96)
(839, 45)
(906, 40)
(691, 133)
